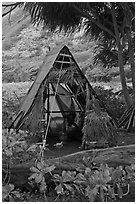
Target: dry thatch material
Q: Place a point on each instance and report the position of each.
(127, 120)
(98, 126)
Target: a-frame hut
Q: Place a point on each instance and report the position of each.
(60, 88)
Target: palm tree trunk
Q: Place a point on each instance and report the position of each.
(123, 78)
(120, 61)
(131, 58)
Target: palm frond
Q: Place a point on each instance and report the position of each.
(54, 15)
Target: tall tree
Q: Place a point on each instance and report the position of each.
(99, 18)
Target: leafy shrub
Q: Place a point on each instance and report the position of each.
(113, 102)
(9, 194)
(16, 146)
(104, 184)
(94, 183)
(39, 172)
(12, 96)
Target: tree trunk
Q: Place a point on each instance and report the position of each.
(131, 58)
(122, 77)
(120, 61)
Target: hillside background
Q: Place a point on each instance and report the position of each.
(24, 46)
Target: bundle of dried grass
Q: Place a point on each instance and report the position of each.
(98, 126)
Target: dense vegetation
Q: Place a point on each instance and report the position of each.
(89, 181)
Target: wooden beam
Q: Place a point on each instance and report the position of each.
(64, 62)
(48, 104)
(65, 55)
(63, 111)
(53, 94)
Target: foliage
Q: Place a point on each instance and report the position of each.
(12, 96)
(64, 183)
(16, 146)
(13, 142)
(105, 54)
(39, 172)
(9, 194)
(103, 184)
(94, 182)
(113, 101)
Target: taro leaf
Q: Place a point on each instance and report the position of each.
(39, 165)
(104, 166)
(80, 178)
(96, 175)
(106, 175)
(133, 166)
(5, 193)
(111, 192)
(116, 175)
(8, 152)
(43, 186)
(17, 194)
(102, 195)
(34, 169)
(119, 191)
(105, 188)
(77, 187)
(38, 178)
(68, 187)
(59, 189)
(111, 170)
(88, 171)
(101, 179)
(33, 176)
(11, 199)
(80, 169)
(73, 173)
(131, 171)
(48, 169)
(63, 173)
(68, 176)
(120, 168)
(56, 177)
(11, 187)
(85, 160)
(92, 181)
(6, 190)
(91, 193)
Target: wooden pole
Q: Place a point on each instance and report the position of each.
(48, 103)
(87, 97)
(43, 113)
